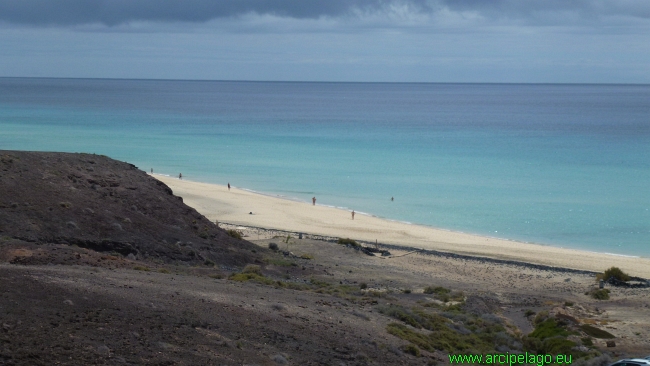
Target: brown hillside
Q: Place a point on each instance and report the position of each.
(98, 203)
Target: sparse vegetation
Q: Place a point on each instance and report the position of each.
(363, 286)
(318, 283)
(274, 247)
(436, 290)
(595, 332)
(306, 256)
(142, 268)
(280, 262)
(551, 336)
(444, 294)
(208, 262)
(244, 277)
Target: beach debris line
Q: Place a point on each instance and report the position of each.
(367, 250)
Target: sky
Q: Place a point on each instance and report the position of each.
(498, 41)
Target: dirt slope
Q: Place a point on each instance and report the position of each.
(98, 203)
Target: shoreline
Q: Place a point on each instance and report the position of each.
(250, 208)
(298, 200)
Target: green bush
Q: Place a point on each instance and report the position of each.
(348, 241)
(234, 233)
(558, 346)
(615, 272)
(436, 290)
(547, 329)
(540, 317)
(587, 341)
(600, 294)
(411, 349)
(252, 268)
(529, 313)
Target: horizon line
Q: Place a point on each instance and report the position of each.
(323, 81)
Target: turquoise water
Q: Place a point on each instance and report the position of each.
(564, 165)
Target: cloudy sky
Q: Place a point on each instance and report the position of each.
(584, 41)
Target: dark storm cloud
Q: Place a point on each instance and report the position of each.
(113, 12)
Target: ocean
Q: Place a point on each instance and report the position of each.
(561, 165)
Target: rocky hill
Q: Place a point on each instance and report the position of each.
(94, 202)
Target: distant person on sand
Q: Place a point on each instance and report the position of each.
(228, 185)
(352, 214)
(180, 175)
(313, 201)
(151, 170)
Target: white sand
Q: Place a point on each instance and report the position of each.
(217, 203)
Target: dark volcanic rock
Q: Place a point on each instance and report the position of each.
(98, 203)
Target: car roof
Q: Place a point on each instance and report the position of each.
(642, 361)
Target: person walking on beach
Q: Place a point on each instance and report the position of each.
(151, 170)
(352, 214)
(180, 175)
(392, 198)
(228, 185)
(313, 201)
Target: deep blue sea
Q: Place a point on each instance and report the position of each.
(563, 165)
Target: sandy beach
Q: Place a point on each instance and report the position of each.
(243, 207)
